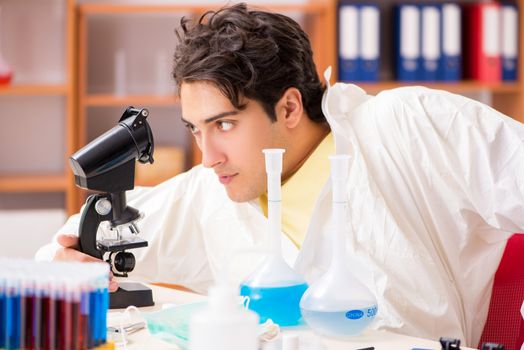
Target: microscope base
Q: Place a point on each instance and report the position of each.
(129, 293)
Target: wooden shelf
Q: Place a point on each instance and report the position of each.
(458, 87)
(33, 183)
(307, 8)
(34, 89)
(101, 100)
(41, 181)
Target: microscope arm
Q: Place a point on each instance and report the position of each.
(89, 223)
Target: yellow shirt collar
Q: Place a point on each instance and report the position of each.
(300, 192)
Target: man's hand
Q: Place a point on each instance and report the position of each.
(69, 252)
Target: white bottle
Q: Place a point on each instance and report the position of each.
(225, 324)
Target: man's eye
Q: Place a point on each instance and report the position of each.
(225, 126)
(192, 129)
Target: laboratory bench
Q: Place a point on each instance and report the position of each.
(378, 340)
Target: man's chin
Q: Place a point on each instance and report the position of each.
(240, 197)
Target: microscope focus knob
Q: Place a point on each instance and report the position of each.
(103, 206)
(125, 262)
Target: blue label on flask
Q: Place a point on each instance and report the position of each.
(372, 311)
(354, 314)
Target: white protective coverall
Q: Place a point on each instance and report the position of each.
(435, 189)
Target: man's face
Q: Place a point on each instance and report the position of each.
(231, 140)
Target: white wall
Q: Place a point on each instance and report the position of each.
(24, 231)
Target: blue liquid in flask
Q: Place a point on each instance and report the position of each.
(340, 323)
(280, 304)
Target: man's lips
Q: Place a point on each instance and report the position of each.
(225, 179)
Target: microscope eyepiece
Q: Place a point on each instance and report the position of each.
(107, 164)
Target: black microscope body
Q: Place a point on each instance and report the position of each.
(107, 165)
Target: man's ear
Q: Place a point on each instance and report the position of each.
(289, 108)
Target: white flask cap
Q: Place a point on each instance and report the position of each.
(273, 159)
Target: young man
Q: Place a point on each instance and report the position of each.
(434, 186)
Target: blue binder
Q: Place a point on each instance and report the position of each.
(348, 61)
(451, 46)
(509, 47)
(430, 42)
(369, 42)
(407, 33)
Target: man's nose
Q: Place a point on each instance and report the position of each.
(211, 153)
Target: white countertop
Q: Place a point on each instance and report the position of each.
(308, 340)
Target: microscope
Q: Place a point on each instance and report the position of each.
(107, 165)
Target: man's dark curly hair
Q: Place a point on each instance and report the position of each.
(253, 54)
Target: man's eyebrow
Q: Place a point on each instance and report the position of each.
(213, 118)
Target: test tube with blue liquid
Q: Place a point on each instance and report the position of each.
(13, 314)
(102, 288)
(274, 289)
(2, 311)
(93, 316)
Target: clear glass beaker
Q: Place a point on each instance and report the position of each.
(338, 304)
